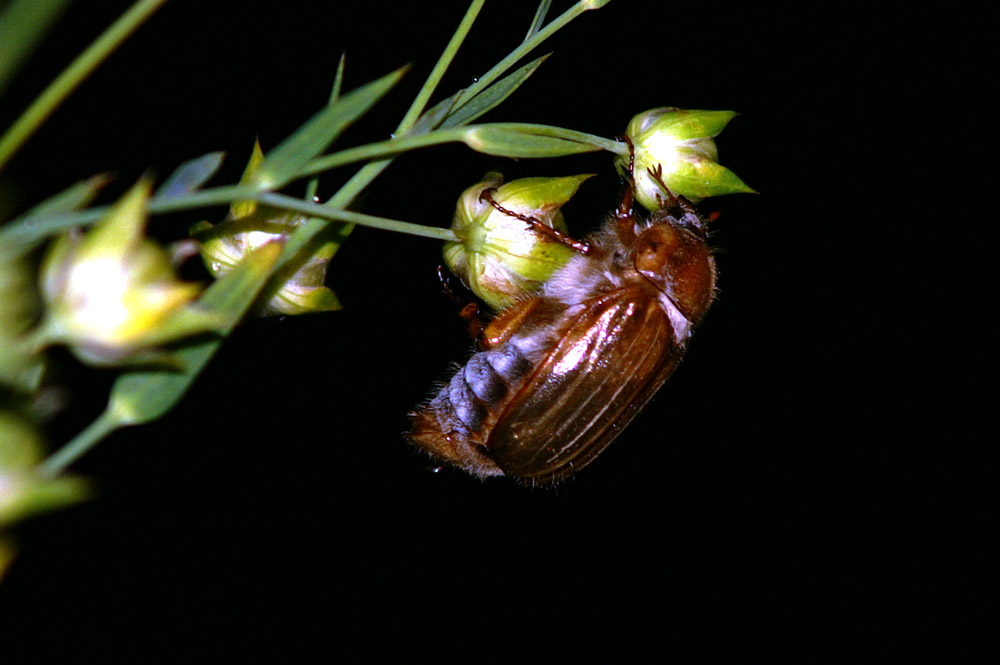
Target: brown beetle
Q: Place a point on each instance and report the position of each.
(564, 371)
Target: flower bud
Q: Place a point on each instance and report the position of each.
(23, 491)
(111, 294)
(677, 145)
(298, 290)
(500, 257)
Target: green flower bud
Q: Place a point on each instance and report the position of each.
(298, 289)
(500, 257)
(23, 491)
(677, 144)
(111, 294)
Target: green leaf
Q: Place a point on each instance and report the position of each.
(72, 198)
(492, 96)
(435, 116)
(190, 175)
(139, 397)
(514, 140)
(27, 232)
(286, 161)
(536, 23)
(338, 79)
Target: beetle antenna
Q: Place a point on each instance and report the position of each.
(536, 225)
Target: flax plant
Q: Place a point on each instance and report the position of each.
(110, 294)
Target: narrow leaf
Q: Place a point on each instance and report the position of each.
(508, 141)
(338, 80)
(285, 162)
(536, 23)
(139, 397)
(27, 231)
(190, 175)
(72, 198)
(435, 116)
(492, 96)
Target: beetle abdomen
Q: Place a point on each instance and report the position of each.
(452, 425)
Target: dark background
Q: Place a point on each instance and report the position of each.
(812, 482)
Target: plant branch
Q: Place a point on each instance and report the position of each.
(420, 103)
(105, 423)
(73, 76)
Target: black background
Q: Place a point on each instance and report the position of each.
(811, 483)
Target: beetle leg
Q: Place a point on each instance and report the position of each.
(691, 216)
(468, 309)
(534, 224)
(624, 214)
(657, 175)
(625, 218)
(507, 322)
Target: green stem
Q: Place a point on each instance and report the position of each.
(27, 231)
(420, 103)
(73, 76)
(105, 423)
(383, 223)
(529, 45)
(383, 149)
(372, 170)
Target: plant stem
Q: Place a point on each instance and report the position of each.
(420, 103)
(27, 231)
(370, 171)
(105, 423)
(383, 223)
(383, 149)
(23, 23)
(73, 76)
(529, 45)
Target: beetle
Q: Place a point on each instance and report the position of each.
(561, 373)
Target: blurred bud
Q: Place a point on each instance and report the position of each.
(20, 365)
(110, 293)
(500, 257)
(297, 289)
(23, 491)
(678, 145)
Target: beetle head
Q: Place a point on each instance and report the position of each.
(673, 256)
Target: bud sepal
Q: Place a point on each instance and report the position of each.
(501, 257)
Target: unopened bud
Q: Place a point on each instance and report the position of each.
(675, 147)
(502, 255)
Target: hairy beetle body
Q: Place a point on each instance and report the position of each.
(580, 359)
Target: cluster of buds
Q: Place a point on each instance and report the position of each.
(501, 258)
(249, 226)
